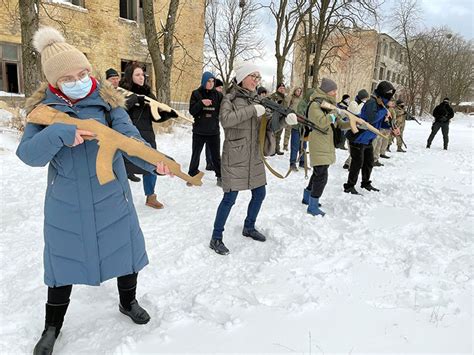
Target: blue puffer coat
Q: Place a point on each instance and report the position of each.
(91, 232)
(375, 115)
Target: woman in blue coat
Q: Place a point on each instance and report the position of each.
(91, 231)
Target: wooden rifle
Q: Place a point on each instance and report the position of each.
(156, 106)
(109, 142)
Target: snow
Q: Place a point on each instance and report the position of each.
(69, 4)
(387, 272)
(11, 94)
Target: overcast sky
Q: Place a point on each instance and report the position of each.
(456, 14)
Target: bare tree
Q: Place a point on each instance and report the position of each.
(231, 32)
(162, 59)
(31, 64)
(406, 18)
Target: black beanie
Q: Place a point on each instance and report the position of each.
(446, 99)
(218, 83)
(345, 96)
(110, 73)
(400, 102)
(261, 90)
(385, 90)
(281, 84)
(362, 94)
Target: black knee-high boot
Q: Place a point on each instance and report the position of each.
(127, 287)
(53, 323)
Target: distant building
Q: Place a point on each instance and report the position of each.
(110, 33)
(362, 60)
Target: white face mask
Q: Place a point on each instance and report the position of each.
(79, 90)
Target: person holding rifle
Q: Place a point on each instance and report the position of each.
(91, 231)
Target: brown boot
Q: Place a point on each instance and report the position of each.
(151, 201)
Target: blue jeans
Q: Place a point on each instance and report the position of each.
(223, 211)
(149, 182)
(295, 146)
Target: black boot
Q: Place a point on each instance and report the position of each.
(254, 234)
(384, 156)
(133, 178)
(135, 312)
(346, 166)
(368, 186)
(209, 167)
(53, 323)
(218, 246)
(350, 189)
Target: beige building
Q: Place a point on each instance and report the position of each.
(110, 33)
(362, 59)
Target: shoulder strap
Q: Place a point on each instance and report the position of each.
(108, 118)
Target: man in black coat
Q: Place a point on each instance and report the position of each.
(442, 114)
(204, 106)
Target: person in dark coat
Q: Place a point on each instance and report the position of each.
(204, 106)
(375, 112)
(343, 105)
(442, 114)
(141, 116)
(91, 231)
(219, 86)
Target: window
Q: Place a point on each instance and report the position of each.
(10, 68)
(311, 70)
(132, 10)
(391, 52)
(374, 85)
(73, 2)
(388, 75)
(385, 48)
(375, 73)
(381, 72)
(398, 78)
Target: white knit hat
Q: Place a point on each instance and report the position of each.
(243, 69)
(57, 56)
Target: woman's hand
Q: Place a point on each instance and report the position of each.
(162, 169)
(80, 134)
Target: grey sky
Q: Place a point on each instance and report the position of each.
(456, 14)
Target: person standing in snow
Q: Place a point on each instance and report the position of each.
(361, 148)
(380, 144)
(91, 231)
(242, 166)
(279, 96)
(343, 105)
(140, 113)
(322, 148)
(355, 107)
(443, 113)
(293, 103)
(401, 117)
(219, 86)
(204, 106)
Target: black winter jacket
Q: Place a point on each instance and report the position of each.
(443, 112)
(206, 118)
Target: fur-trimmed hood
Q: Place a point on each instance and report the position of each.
(107, 92)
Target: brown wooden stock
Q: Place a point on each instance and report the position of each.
(109, 142)
(354, 120)
(155, 105)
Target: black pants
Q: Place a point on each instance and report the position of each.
(444, 129)
(208, 156)
(60, 295)
(214, 144)
(362, 156)
(318, 180)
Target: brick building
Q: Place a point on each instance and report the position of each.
(110, 33)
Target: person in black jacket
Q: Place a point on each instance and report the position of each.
(219, 86)
(442, 114)
(204, 106)
(141, 116)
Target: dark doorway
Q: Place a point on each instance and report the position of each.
(11, 77)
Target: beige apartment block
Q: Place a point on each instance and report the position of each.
(362, 60)
(110, 33)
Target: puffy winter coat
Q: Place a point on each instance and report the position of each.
(373, 113)
(91, 231)
(443, 112)
(321, 146)
(242, 167)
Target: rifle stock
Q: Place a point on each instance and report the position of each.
(109, 142)
(354, 120)
(155, 105)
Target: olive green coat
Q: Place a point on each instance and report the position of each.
(321, 146)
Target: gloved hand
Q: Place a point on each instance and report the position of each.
(259, 109)
(291, 119)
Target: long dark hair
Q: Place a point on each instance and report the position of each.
(127, 79)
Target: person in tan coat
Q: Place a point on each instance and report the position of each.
(322, 149)
(400, 122)
(242, 166)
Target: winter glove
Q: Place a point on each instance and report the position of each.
(140, 100)
(259, 109)
(291, 119)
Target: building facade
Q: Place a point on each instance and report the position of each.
(111, 34)
(360, 60)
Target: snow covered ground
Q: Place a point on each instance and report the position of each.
(387, 272)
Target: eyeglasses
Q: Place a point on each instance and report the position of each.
(70, 81)
(256, 77)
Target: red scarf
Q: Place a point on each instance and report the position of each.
(71, 102)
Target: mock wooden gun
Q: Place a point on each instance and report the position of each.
(155, 105)
(354, 120)
(109, 142)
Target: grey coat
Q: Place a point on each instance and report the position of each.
(242, 166)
